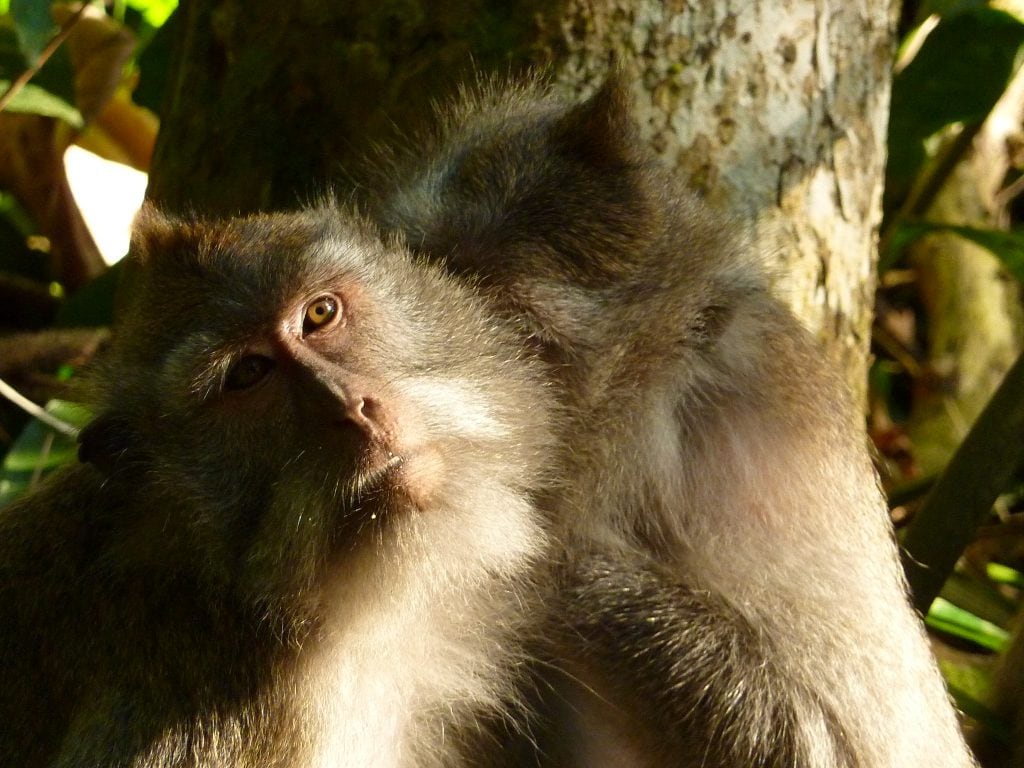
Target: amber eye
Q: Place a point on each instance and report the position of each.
(319, 313)
(248, 372)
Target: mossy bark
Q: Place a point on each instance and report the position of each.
(775, 109)
(271, 103)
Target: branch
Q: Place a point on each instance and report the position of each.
(979, 471)
(22, 80)
(36, 411)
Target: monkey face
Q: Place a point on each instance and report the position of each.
(304, 388)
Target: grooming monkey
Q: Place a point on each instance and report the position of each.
(302, 536)
(243, 579)
(730, 591)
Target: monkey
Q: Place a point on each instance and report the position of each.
(729, 591)
(302, 534)
(289, 547)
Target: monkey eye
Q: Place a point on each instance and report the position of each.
(248, 372)
(320, 313)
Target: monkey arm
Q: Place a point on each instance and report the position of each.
(702, 675)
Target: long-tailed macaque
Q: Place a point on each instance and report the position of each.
(302, 536)
(730, 589)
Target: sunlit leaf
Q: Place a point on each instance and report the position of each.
(979, 598)
(1002, 574)
(946, 617)
(1008, 247)
(32, 99)
(39, 450)
(957, 76)
(155, 12)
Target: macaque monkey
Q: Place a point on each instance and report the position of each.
(729, 588)
(302, 535)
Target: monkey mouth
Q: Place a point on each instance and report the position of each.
(372, 478)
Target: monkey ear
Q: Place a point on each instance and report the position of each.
(601, 129)
(104, 442)
(153, 231)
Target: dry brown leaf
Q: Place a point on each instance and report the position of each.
(32, 169)
(123, 132)
(98, 47)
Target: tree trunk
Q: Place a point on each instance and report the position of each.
(775, 109)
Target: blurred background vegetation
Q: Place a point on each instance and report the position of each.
(80, 94)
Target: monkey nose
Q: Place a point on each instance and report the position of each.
(365, 414)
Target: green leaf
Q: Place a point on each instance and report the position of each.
(1008, 247)
(15, 215)
(37, 101)
(966, 489)
(34, 24)
(155, 12)
(959, 73)
(946, 617)
(39, 450)
(979, 598)
(947, 8)
(12, 60)
(1002, 574)
(93, 304)
(16, 258)
(155, 66)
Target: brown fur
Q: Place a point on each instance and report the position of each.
(731, 591)
(232, 580)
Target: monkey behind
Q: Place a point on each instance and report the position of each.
(730, 590)
(303, 535)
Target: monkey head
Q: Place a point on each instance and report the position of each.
(296, 394)
(569, 225)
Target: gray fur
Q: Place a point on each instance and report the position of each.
(731, 593)
(217, 588)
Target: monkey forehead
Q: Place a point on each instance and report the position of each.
(202, 273)
(261, 253)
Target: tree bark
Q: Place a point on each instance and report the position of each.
(775, 109)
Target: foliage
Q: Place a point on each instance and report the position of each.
(33, 100)
(39, 450)
(958, 74)
(66, 77)
(956, 61)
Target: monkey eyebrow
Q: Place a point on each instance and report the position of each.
(205, 374)
(192, 365)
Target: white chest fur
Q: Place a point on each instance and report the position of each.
(421, 634)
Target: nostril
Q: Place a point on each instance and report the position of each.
(368, 407)
(363, 411)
